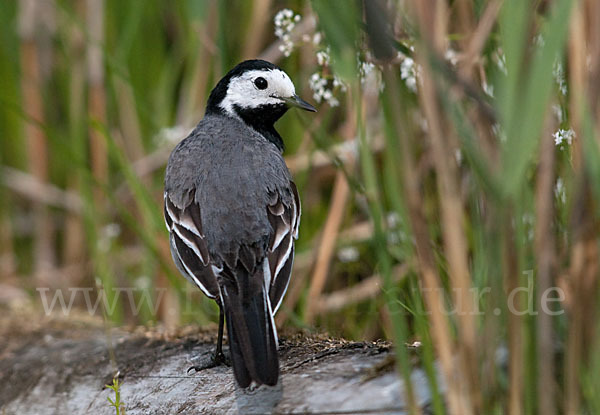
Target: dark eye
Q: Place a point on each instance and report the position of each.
(261, 83)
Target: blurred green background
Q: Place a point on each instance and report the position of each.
(449, 180)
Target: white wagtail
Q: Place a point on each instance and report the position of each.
(233, 212)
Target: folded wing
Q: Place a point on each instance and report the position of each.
(285, 220)
(188, 245)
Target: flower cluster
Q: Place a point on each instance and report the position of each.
(396, 230)
(528, 222)
(409, 71)
(285, 21)
(564, 135)
(324, 83)
(370, 76)
(323, 57)
(323, 88)
(364, 69)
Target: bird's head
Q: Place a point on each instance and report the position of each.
(256, 91)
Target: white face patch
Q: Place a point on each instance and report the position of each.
(243, 92)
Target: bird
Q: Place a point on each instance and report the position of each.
(233, 212)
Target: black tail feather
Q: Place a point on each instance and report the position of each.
(242, 376)
(252, 336)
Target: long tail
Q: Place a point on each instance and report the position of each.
(251, 331)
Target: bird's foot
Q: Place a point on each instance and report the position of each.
(221, 359)
(216, 359)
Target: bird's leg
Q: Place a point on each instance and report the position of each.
(218, 358)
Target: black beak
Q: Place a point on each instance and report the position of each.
(296, 101)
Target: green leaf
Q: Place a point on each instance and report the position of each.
(525, 104)
(340, 21)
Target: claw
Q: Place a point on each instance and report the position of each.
(196, 368)
(217, 359)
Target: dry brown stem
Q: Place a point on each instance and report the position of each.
(431, 284)
(97, 94)
(368, 288)
(37, 147)
(515, 324)
(42, 193)
(545, 254)
(341, 192)
(580, 265)
(259, 22)
(74, 234)
(455, 244)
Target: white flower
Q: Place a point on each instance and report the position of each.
(409, 72)
(499, 132)
(285, 20)
(325, 83)
(451, 56)
(107, 234)
(348, 254)
(321, 92)
(564, 135)
(458, 156)
(488, 89)
(111, 231)
(528, 221)
(323, 57)
(317, 38)
(500, 60)
(365, 68)
(370, 77)
(559, 76)
(538, 40)
(393, 219)
(333, 101)
(317, 85)
(558, 113)
(338, 83)
(286, 49)
(560, 191)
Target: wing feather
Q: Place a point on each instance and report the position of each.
(284, 220)
(189, 247)
(192, 256)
